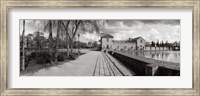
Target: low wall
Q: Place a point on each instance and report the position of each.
(157, 48)
(147, 66)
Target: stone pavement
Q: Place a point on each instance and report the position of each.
(94, 63)
(108, 66)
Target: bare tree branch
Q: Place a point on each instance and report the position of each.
(76, 27)
(66, 29)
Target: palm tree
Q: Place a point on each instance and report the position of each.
(23, 48)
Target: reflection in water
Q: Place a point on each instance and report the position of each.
(171, 56)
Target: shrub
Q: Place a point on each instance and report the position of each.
(41, 57)
(44, 57)
(73, 56)
(61, 57)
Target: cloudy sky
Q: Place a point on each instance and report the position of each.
(150, 30)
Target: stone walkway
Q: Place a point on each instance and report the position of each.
(108, 66)
(94, 63)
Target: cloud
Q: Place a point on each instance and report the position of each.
(124, 35)
(150, 30)
(154, 31)
(88, 37)
(153, 35)
(130, 23)
(164, 22)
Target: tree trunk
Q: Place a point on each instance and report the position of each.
(57, 40)
(23, 48)
(67, 37)
(68, 50)
(74, 31)
(71, 45)
(50, 40)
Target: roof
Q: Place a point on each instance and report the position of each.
(134, 39)
(104, 35)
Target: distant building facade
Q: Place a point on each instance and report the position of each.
(107, 43)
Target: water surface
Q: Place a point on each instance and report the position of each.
(170, 56)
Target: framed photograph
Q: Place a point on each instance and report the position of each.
(99, 47)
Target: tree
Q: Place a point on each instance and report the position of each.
(94, 44)
(53, 45)
(49, 26)
(153, 44)
(162, 45)
(29, 41)
(157, 44)
(38, 40)
(67, 36)
(167, 45)
(57, 39)
(23, 47)
(74, 31)
(86, 25)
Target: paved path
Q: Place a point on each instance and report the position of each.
(94, 63)
(107, 65)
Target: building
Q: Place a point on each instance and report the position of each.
(139, 41)
(107, 43)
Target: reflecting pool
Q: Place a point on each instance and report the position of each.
(171, 56)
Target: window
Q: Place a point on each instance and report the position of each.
(107, 46)
(108, 39)
(140, 41)
(124, 47)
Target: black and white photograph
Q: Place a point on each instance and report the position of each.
(113, 47)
